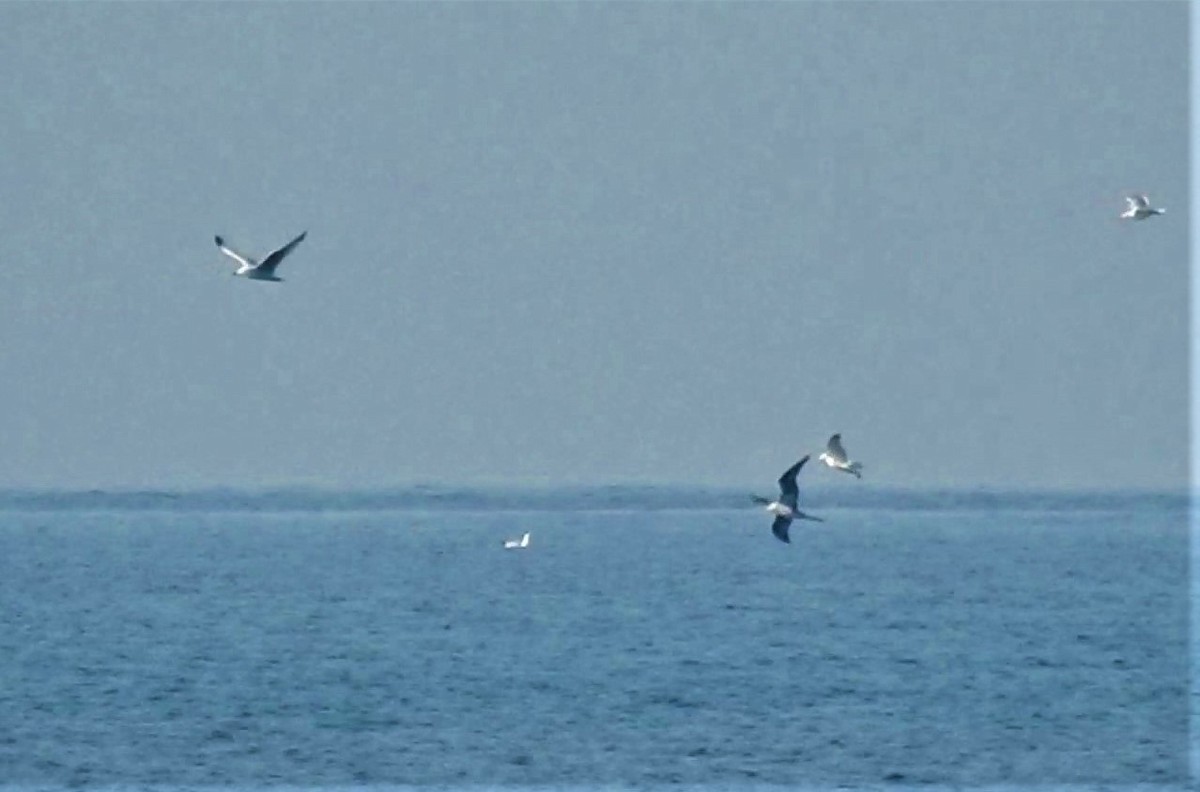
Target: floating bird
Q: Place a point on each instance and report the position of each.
(835, 457)
(517, 544)
(785, 509)
(1139, 208)
(259, 270)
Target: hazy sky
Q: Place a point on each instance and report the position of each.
(584, 242)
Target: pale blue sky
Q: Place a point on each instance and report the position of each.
(569, 242)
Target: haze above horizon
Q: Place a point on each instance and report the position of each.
(571, 243)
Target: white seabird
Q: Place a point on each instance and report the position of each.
(785, 509)
(1139, 208)
(259, 270)
(517, 544)
(835, 456)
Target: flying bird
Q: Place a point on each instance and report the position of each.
(259, 270)
(517, 544)
(835, 456)
(785, 509)
(1139, 208)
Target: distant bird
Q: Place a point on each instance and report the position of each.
(835, 457)
(517, 544)
(785, 509)
(1139, 208)
(256, 270)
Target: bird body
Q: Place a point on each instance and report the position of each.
(786, 508)
(835, 457)
(259, 270)
(517, 544)
(780, 509)
(1139, 208)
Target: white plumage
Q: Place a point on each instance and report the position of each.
(259, 270)
(1139, 208)
(517, 544)
(836, 458)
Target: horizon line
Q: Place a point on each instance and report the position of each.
(541, 487)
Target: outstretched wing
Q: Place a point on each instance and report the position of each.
(780, 528)
(244, 261)
(788, 491)
(1138, 201)
(275, 256)
(835, 450)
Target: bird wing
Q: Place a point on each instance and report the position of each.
(244, 261)
(780, 528)
(788, 491)
(835, 450)
(1138, 201)
(275, 256)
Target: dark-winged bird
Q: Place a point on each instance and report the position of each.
(785, 509)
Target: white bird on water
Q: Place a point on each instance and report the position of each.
(259, 270)
(517, 544)
(785, 509)
(835, 456)
(1139, 208)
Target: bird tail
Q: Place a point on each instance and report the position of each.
(760, 500)
(856, 469)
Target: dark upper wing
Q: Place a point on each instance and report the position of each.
(835, 449)
(788, 491)
(275, 256)
(780, 528)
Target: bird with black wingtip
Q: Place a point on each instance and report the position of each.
(259, 270)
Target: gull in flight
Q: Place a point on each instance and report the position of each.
(835, 457)
(1139, 208)
(517, 544)
(259, 270)
(785, 509)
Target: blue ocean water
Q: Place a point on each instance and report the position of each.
(648, 637)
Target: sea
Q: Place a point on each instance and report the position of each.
(648, 638)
